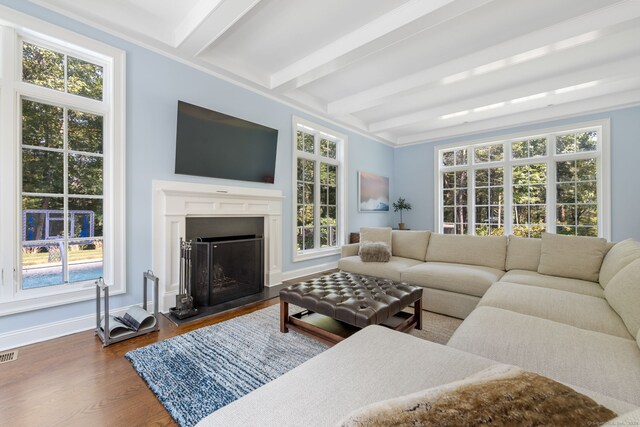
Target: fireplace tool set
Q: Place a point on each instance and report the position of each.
(184, 300)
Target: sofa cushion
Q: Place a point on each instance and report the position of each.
(618, 257)
(387, 270)
(497, 395)
(623, 293)
(533, 278)
(410, 244)
(575, 257)
(488, 251)
(461, 278)
(376, 234)
(600, 362)
(374, 364)
(523, 253)
(629, 419)
(581, 311)
(349, 250)
(374, 252)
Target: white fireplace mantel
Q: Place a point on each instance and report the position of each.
(174, 201)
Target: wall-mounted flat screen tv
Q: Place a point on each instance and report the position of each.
(212, 144)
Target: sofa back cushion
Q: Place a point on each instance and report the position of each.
(489, 251)
(576, 257)
(619, 256)
(623, 295)
(376, 234)
(523, 253)
(410, 244)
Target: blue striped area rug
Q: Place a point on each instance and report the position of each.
(196, 373)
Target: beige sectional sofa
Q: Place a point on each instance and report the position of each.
(565, 307)
(579, 331)
(456, 271)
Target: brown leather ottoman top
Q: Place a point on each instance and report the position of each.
(351, 298)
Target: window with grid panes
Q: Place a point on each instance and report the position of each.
(318, 169)
(577, 185)
(525, 185)
(65, 151)
(62, 172)
(489, 191)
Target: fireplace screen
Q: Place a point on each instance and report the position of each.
(226, 268)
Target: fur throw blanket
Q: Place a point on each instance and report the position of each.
(501, 395)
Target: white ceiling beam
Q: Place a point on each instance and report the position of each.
(549, 36)
(617, 70)
(622, 99)
(377, 28)
(441, 16)
(194, 18)
(209, 20)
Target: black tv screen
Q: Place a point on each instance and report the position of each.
(212, 144)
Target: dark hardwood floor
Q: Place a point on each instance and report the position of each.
(74, 381)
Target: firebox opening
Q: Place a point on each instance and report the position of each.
(225, 266)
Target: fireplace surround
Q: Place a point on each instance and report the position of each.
(174, 202)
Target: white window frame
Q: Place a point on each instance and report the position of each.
(14, 28)
(602, 154)
(319, 132)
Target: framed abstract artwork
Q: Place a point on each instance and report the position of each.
(373, 192)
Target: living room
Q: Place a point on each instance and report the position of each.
(370, 87)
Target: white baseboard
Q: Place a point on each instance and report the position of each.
(35, 334)
(26, 336)
(167, 300)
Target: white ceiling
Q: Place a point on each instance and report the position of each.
(402, 71)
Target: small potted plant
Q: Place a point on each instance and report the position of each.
(401, 205)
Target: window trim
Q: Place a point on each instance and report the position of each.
(603, 158)
(14, 28)
(341, 161)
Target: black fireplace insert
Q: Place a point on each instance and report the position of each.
(226, 268)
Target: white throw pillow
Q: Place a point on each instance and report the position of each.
(575, 257)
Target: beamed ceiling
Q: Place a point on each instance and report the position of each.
(401, 71)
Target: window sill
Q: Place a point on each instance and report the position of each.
(24, 303)
(313, 254)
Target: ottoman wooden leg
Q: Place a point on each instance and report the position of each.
(417, 309)
(284, 316)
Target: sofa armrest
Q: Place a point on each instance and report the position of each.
(350, 250)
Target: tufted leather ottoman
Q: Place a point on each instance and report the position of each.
(350, 302)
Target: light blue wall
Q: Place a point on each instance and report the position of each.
(154, 85)
(361, 154)
(414, 176)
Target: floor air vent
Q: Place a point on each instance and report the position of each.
(8, 356)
